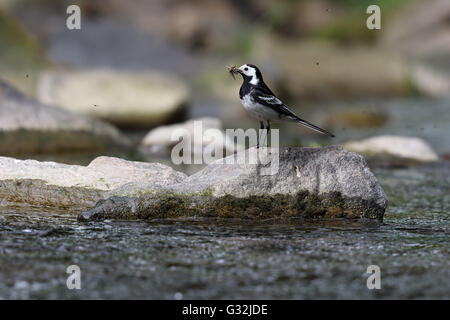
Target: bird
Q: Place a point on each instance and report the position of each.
(262, 103)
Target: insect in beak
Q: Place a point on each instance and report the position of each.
(233, 70)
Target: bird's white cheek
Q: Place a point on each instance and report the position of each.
(254, 80)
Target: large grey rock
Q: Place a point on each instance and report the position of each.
(324, 182)
(124, 98)
(412, 148)
(27, 126)
(74, 188)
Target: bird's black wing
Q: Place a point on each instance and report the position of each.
(265, 97)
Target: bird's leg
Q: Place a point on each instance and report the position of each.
(268, 132)
(262, 128)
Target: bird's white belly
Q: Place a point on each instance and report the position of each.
(258, 110)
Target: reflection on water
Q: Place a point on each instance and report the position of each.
(209, 258)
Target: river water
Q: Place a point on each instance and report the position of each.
(209, 258)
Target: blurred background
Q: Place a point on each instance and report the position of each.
(137, 66)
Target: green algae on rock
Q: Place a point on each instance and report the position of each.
(326, 182)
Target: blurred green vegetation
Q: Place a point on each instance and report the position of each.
(21, 57)
(357, 5)
(348, 27)
(345, 25)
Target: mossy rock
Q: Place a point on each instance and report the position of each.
(309, 183)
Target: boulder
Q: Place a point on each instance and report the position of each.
(128, 99)
(328, 182)
(54, 185)
(411, 148)
(29, 127)
(158, 142)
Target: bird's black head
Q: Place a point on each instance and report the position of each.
(250, 73)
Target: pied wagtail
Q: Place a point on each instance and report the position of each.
(261, 102)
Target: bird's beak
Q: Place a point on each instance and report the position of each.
(234, 70)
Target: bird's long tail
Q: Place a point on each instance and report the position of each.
(311, 126)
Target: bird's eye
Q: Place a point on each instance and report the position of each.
(246, 69)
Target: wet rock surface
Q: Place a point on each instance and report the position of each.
(324, 182)
(328, 182)
(28, 126)
(75, 188)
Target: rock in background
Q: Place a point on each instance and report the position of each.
(409, 148)
(158, 142)
(30, 127)
(128, 99)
